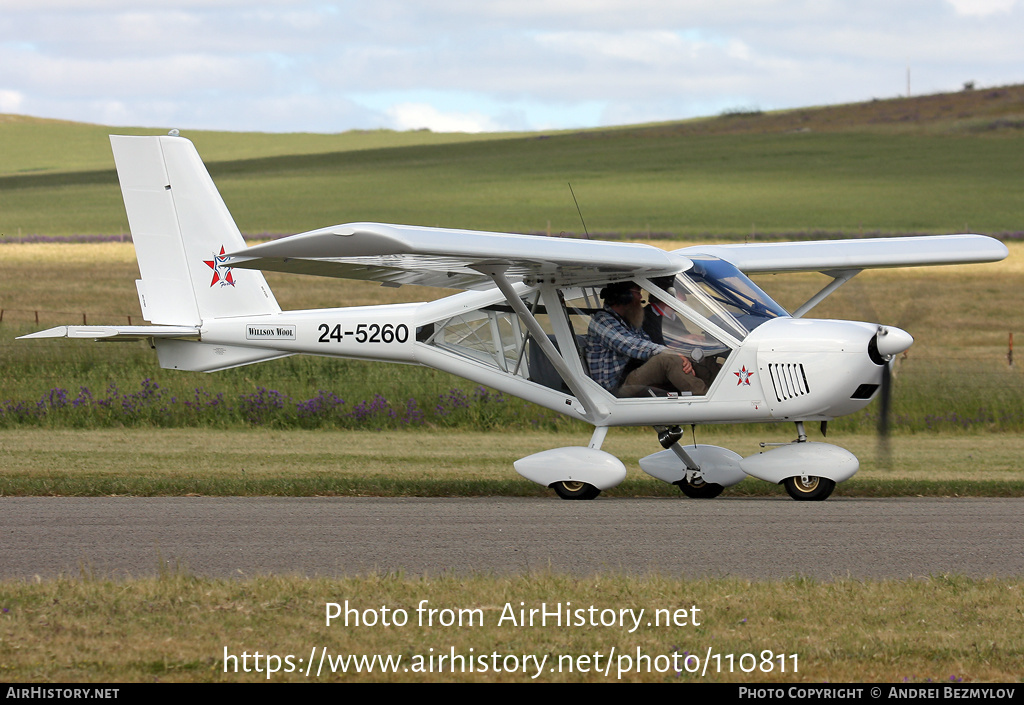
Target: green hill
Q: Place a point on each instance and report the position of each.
(937, 163)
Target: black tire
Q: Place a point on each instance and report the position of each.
(698, 489)
(816, 489)
(572, 489)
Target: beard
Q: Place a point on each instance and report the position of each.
(634, 314)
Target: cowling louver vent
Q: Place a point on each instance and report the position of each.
(788, 379)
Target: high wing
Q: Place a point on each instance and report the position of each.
(865, 253)
(844, 259)
(453, 259)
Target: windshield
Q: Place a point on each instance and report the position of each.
(741, 299)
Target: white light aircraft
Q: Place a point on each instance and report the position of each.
(520, 324)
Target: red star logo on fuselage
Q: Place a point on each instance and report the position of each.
(743, 376)
(221, 272)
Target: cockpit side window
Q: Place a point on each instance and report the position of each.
(662, 325)
(693, 297)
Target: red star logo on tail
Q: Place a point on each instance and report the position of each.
(221, 272)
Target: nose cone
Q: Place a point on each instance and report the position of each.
(891, 341)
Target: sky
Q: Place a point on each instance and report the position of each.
(485, 65)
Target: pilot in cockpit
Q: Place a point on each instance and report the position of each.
(622, 357)
(657, 315)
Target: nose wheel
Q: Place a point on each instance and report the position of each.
(809, 488)
(698, 489)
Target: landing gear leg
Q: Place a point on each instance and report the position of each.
(668, 436)
(692, 485)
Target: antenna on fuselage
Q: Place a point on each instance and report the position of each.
(579, 211)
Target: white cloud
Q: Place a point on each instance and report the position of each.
(656, 47)
(92, 6)
(419, 116)
(982, 8)
(11, 101)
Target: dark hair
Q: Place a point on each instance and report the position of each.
(619, 293)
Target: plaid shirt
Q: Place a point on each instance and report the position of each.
(611, 344)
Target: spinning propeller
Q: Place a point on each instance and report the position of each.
(887, 343)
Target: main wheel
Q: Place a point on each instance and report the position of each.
(814, 490)
(698, 489)
(571, 489)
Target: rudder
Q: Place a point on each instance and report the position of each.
(180, 227)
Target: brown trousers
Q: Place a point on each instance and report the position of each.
(664, 368)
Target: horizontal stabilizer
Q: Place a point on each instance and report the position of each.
(117, 333)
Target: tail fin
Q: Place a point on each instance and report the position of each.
(180, 227)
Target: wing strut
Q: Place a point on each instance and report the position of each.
(497, 274)
(839, 277)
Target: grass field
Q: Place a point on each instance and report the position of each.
(750, 184)
(453, 463)
(180, 628)
(932, 164)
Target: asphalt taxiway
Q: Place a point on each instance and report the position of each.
(754, 538)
